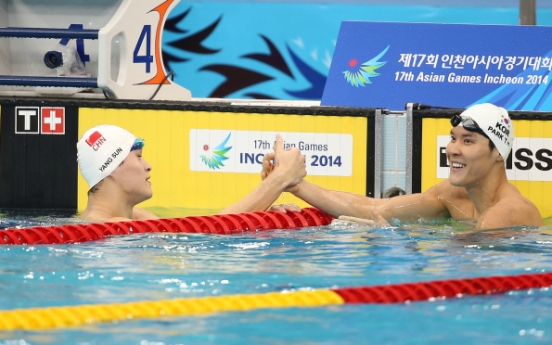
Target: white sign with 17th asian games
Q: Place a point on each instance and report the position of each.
(243, 151)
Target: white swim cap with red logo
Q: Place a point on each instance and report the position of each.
(101, 150)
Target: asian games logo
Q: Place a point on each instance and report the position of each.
(214, 158)
(360, 75)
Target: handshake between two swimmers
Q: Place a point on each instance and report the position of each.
(477, 187)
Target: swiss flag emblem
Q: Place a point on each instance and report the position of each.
(52, 120)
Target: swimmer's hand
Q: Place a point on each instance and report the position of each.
(377, 220)
(284, 208)
(289, 164)
(268, 166)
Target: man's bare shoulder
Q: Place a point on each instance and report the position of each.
(512, 210)
(141, 214)
(94, 216)
(454, 199)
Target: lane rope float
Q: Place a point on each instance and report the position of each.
(73, 316)
(224, 224)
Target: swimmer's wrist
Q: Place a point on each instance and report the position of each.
(278, 179)
(296, 189)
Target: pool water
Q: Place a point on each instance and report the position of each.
(166, 266)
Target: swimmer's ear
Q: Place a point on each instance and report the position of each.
(497, 156)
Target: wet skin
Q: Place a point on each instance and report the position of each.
(133, 177)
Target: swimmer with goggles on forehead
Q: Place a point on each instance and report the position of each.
(467, 122)
(481, 139)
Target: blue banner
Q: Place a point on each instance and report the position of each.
(377, 64)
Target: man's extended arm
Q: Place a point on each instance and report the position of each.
(404, 207)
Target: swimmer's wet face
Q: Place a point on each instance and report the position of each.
(133, 175)
(469, 157)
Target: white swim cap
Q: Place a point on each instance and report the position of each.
(101, 150)
(495, 123)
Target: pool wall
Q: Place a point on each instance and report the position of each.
(367, 150)
(178, 136)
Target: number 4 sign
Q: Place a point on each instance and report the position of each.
(130, 61)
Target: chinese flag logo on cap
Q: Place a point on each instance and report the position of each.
(95, 140)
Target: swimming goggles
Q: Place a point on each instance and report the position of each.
(138, 144)
(467, 122)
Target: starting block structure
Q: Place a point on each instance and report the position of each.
(129, 54)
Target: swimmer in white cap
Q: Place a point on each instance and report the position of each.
(477, 188)
(110, 160)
